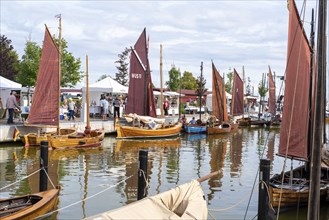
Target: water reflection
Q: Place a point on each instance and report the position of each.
(85, 172)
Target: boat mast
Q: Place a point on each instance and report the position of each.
(59, 65)
(243, 93)
(317, 142)
(200, 89)
(87, 128)
(161, 86)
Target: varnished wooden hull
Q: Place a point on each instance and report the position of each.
(224, 129)
(78, 140)
(297, 193)
(33, 139)
(243, 122)
(136, 132)
(42, 203)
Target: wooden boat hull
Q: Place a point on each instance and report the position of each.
(78, 140)
(195, 129)
(243, 122)
(225, 128)
(297, 193)
(259, 122)
(42, 203)
(33, 139)
(136, 132)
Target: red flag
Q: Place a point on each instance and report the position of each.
(16, 132)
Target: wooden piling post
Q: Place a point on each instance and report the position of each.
(142, 174)
(43, 163)
(264, 180)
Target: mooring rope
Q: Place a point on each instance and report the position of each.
(146, 181)
(21, 179)
(232, 206)
(43, 168)
(75, 203)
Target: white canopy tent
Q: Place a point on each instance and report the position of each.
(6, 86)
(104, 86)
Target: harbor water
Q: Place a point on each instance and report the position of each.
(100, 179)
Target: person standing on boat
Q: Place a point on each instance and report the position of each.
(71, 107)
(116, 104)
(11, 104)
(193, 122)
(166, 106)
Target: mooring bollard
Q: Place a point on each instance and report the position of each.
(43, 186)
(142, 174)
(264, 180)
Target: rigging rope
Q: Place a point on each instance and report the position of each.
(75, 203)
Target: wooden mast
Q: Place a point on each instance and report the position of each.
(243, 93)
(317, 141)
(161, 86)
(87, 128)
(59, 65)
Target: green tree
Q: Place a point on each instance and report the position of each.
(173, 83)
(70, 66)
(122, 76)
(201, 86)
(29, 64)
(188, 81)
(262, 89)
(9, 62)
(229, 82)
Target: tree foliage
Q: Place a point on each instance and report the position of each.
(229, 82)
(188, 81)
(9, 62)
(70, 66)
(201, 86)
(173, 83)
(29, 64)
(122, 76)
(262, 89)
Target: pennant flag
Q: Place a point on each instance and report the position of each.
(16, 132)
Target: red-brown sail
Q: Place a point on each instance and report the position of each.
(45, 105)
(295, 120)
(271, 103)
(237, 95)
(140, 80)
(218, 96)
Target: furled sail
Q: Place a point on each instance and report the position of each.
(295, 119)
(271, 103)
(45, 105)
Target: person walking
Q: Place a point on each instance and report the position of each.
(166, 106)
(11, 104)
(116, 104)
(71, 107)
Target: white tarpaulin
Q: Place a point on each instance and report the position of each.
(8, 84)
(183, 202)
(107, 85)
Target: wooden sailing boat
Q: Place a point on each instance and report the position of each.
(301, 135)
(30, 206)
(88, 138)
(219, 106)
(275, 121)
(44, 110)
(141, 99)
(237, 108)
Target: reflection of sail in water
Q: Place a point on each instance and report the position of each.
(217, 149)
(270, 146)
(236, 153)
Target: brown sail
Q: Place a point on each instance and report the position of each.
(218, 96)
(237, 95)
(271, 103)
(140, 92)
(295, 119)
(45, 105)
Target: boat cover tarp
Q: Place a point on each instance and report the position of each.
(183, 202)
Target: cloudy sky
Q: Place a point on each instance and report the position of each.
(232, 33)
